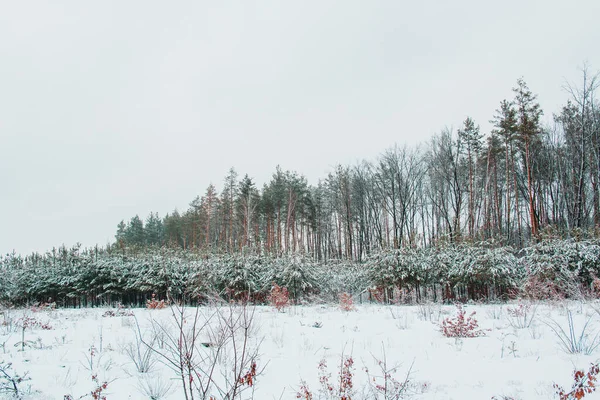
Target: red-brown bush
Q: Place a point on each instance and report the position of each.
(461, 326)
(346, 302)
(155, 304)
(279, 297)
(584, 383)
(345, 384)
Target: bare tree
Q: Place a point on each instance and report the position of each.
(581, 128)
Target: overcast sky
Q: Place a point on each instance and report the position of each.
(114, 108)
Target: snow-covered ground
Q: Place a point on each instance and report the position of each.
(508, 360)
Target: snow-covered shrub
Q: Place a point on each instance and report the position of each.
(495, 311)
(10, 381)
(121, 311)
(402, 320)
(539, 287)
(462, 271)
(161, 271)
(521, 316)
(461, 326)
(9, 282)
(450, 272)
(498, 267)
(381, 272)
(588, 263)
(237, 277)
(394, 272)
(385, 385)
(335, 276)
(477, 271)
(140, 353)
(397, 267)
(212, 349)
(299, 274)
(8, 324)
(561, 268)
(573, 340)
(153, 387)
(429, 311)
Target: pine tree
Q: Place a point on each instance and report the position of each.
(154, 230)
(471, 139)
(505, 127)
(121, 232)
(135, 231)
(528, 130)
(210, 205)
(173, 234)
(228, 210)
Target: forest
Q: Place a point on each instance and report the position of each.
(514, 184)
(466, 215)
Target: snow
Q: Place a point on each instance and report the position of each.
(506, 361)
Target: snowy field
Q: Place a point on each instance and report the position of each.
(517, 355)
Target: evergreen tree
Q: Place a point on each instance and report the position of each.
(528, 130)
(471, 137)
(173, 234)
(210, 207)
(154, 230)
(227, 204)
(121, 232)
(505, 127)
(135, 232)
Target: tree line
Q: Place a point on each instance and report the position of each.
(514, 184)
(550, 269)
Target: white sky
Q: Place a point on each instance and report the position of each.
(114, 108)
